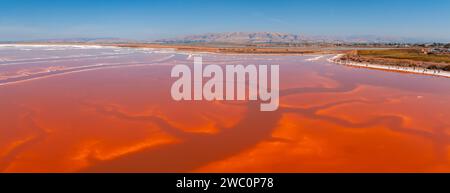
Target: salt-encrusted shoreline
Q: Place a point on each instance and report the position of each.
(416, 70)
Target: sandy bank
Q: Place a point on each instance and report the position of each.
(416, 70)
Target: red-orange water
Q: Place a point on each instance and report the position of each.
(121, 118)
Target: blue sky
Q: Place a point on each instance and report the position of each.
(153, 19)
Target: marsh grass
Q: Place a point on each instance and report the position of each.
(406, 54)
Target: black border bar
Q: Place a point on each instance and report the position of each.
(168, 182)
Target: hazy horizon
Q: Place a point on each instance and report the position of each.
(143, 20)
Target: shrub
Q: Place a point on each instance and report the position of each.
(446, 68)
(432, 67)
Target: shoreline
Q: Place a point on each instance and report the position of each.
(412, 70)
(200, 49)
(252, 51)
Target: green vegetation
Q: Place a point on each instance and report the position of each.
(406, 54)
(418, 57)
(446, 68)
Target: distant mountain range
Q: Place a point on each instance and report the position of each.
(272, 37)
(238, 37)
(250, 38)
